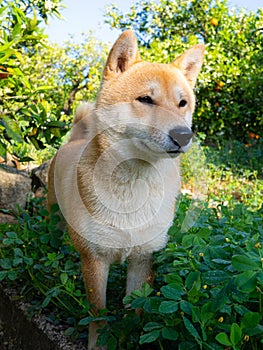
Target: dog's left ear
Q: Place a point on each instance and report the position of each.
(190, 63)
(122, 55)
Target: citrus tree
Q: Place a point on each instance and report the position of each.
(230, 87)
(62, 76)
(39, 82)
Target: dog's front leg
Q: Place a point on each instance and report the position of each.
(139, 271)
(95, 271)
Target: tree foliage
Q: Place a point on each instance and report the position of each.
(39, 82)
(230, 87)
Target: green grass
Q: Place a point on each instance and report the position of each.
(208, 290)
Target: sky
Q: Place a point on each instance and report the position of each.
(84, 15)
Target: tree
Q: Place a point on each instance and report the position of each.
(39, 82)
(230, 88)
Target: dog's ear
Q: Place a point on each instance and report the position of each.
(122, 55)
(190, 63)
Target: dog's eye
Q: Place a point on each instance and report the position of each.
(145, 99)
(182, 103)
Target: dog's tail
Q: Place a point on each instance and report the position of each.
(81, 122)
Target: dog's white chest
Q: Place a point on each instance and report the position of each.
(124, 208)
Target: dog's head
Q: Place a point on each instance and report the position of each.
(150, 103)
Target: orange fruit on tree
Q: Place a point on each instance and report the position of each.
(214, 22)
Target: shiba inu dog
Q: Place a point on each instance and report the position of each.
(117, 178)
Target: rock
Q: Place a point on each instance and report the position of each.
(39, 175)
(7, 219)
(15, 187)
(18, 331)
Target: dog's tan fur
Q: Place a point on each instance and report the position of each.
(114, 181)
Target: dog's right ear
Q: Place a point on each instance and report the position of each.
(122, 55)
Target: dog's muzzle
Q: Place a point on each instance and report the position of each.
(181, 136)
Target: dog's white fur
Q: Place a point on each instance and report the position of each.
(114, 180)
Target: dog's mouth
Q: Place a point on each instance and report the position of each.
(175, 152)
(155, 147)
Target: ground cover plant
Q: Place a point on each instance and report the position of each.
(208, 288)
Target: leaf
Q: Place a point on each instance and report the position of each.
(221, 261)
(38, 144)
(150, 326)
(44, 87)
(57, 124)
(69, 331)
(45, 238)
(206, 312)
(12, 235)
(146, 290)
(6, 263)
(246, 281)
(186, 307)
(85, 321)
(18, 252)
(63, 278)
(46, 301)
(214, 277)
(235, 334)
(138, 303)
(12, 129)
(12, 275)
(26, 159)
(8, 241)
(193, 281)
(28, 261)
(3, 13)
(250, 320)
(244, 263)
(149, 337)
(258, 330)
(17, 261)
(56, 132)
(187, 241)
(186, 345)
(260, 277)
(3, 275)
(222, 338)
(2, 150)
(196, 314)
(168, 307)
(112, 343)
(169, 333)
(191, 329)
(171, 292)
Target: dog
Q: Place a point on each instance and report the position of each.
(117, 179)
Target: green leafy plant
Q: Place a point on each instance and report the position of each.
(38, 258)
(208, 287)
(210, 284)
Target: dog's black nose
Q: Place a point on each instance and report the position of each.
(181, 136)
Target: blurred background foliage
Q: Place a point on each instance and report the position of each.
(41, 83)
